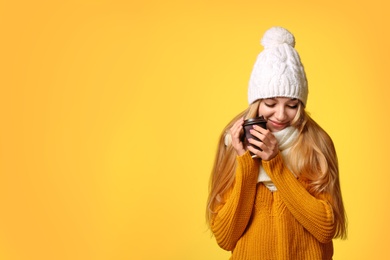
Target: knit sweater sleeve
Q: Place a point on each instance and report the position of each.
(314, 214)
(233, 215)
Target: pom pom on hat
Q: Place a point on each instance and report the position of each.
(276, 36)
(278, 71)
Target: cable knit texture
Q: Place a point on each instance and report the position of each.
(255, 223)
(278, 70)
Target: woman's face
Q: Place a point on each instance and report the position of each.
(279, 112)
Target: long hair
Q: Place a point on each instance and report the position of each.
(223, 172)
(312, 158)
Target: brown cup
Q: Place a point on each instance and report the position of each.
(248, 125)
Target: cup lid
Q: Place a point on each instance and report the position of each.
(255, 120)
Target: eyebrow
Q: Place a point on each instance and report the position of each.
(274, 98)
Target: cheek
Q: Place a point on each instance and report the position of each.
(292, 114)
(264, 111)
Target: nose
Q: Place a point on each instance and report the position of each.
(280, 114)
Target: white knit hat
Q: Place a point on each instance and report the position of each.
(278, 71)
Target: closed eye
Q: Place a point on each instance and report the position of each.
(269, 105)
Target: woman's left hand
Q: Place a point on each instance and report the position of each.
(268, 144)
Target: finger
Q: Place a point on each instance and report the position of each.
(238, 123)
(260, 129)
(256, 151)
(253, 150)
(257, 134)
(265, 136)
(262, 142)
(270, 140)
(235, 132)
(264, 155)
(260, 149)
(237, 127)
(256, 142)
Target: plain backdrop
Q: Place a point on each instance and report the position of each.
(110, 113)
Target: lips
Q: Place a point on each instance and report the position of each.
(278, 125)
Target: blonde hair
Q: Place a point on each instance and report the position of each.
(312, 158)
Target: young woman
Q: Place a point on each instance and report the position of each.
(285, 202)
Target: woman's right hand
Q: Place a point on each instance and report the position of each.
(236, 132)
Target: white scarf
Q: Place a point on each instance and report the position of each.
(286, 138)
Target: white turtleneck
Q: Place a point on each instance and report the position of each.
(285, 138)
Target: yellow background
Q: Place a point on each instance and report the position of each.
(110, 113)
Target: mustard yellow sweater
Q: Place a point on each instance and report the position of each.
(255, 223)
